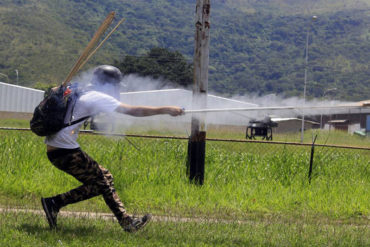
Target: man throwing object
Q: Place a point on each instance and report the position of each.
(64, 152)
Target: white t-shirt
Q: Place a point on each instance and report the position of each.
(89, 103)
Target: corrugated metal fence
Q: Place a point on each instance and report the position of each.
(15, 98)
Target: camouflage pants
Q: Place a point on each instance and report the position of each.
(96, 180)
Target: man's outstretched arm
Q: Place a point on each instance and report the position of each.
(144, 111)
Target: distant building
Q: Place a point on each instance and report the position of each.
(286, 125)
(351, 121)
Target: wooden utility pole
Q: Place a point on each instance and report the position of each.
(197, 140)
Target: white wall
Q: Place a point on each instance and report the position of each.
(19, 99)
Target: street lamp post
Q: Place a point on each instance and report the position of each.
(16, 71)
(305, 74)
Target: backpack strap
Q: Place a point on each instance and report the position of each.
(76, 121)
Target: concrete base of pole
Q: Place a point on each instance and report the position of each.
(196, 158)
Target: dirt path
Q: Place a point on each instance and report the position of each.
(267, 219)
(107, 216)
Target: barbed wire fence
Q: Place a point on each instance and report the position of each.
(323, 154)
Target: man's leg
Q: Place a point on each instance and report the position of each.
(96, 181)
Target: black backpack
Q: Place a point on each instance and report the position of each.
(55, 112)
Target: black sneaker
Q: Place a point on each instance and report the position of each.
(137, 223)
(51, 211)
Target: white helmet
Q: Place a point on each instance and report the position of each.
(106, 74)
(106, 79)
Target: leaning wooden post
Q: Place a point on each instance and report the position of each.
(197, 140)
(311, 159)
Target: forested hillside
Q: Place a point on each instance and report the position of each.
(257, 47)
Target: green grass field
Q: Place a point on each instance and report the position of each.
(24, 229)
(264, 185)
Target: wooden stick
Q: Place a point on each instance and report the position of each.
(103, 27)
(101, 43)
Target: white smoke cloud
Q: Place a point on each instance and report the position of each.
(182, 98)
(133, 83)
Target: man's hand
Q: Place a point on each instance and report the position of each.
(175, 111)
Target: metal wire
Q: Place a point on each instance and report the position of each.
(89, 132)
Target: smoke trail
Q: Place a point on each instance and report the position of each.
(278, 100)
(136, 90)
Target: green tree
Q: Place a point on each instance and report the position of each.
(159, 63)
(44, 86)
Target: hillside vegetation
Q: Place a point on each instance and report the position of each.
(295, 7)
(257, 47)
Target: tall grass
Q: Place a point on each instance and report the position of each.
(241, 179)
